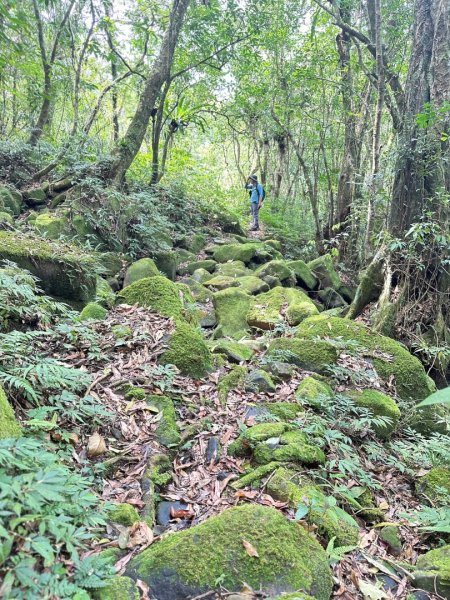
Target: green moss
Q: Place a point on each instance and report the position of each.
(303, 274)
(104, 294)
(231, 306)
(295, 596)
(51, 226)
(167, 432)
(166, 261)
(275, 244)
(197, 242)
(259, 381)
(142, 268)
(242, 252)
(230, 381)
(187, 351)
(294, 437)
(93, 311)
(390, 535)
(252, 285)
(158, 293)
(122, 331)
(189, 562)
(221, 282)
(255, 475)
(111, 262)
(311, 355)
(262, 432)
(379, 405)
(208, 264)
(198, 291)
(124, 514)
(275, 268)
(435, 485)
(10, 200)
(312, 391)
(233, 350)
(119, 588)
(285, 411)
(331, 520)
(269, 309)
(160, 469)
(65, 271)
(9, 427)
(433, 571)
(410, 377)
(6, 218)
(304, 454)
(136, 393)
(235, 268)
(324, 270)
(184, 256)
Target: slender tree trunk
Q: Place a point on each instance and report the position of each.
(129, 145)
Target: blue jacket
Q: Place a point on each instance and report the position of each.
(256, 193)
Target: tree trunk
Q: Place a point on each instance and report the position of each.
(129, 145)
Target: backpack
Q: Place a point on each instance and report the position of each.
(263, 192)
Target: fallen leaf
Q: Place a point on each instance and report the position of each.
(144, 589)
(243, 494)
(181, 513)
(383, 505)
(371, 591)
(250, 549)
(96, 445)
(140, 534)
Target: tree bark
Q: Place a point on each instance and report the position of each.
(129, 145)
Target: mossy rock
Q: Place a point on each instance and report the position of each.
(275, 244)
(312, 391)
(234, 252)
(232, 380)
(167, 432)
(252, 285)
(259, 381)
(94, 312)
(123, 514)
(379, 404)
(198, 291)
(184, 256)
(331, 298)
(433, 571)
(234, 351)
(275, 268)
(188, 351)
(227, 220)
(254, 475)
(390, 535)
(331, 520)
(285, 411)
(235, 268)
(435, 485)
(197, 242)
(65, 271)
(208, 264)
(10, 200)
(9, 426)
(166, 262)
(201, 275)
(158, 293)
(104, 293)
(231, 306)
(51, 226)
(323, 269)
(6, 217)
(303, 274)
(221, 282)
(295, 452)
(111, 262)
(190, 562)
(429, 419)
(411, 380)
(118, 588)
(142, 268)
(271, 308)
(311, 355)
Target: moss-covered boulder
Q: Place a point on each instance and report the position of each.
(123, 514)
(390, 358)
(259, 381)
(9, 427)
(51, 226)
(275, 268)
(166, 262)
(313, 391)
(142, 268)
(10, 200)
(285, 411)
(331, 520)
(111, 262)
(118, 588)
(158, 293)
(311, 355)
(323, 269)
(188, 351)
(190, 562)
(435, 485)
(208, 264)
(252, 285)
(331, 298)
(378, 404)
(104, 294)
(6, 217)
(277, 305)
(235, 268)
(65, 271)
(234, 351)
(198, 291)
(231, 306)
(221, 282)
(247, 252)
(93, 311)
(167, 432)
(391, 536)
(433, 571)
(303, 274)
(230, 381)
(290, 449)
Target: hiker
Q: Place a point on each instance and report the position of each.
(257, 195)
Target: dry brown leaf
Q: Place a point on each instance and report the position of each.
(181, 513)
(244, 494)
(96, 445)
(144, 589)
(140, 534)
(250, 549)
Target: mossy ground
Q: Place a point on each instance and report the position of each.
(230, 381)
(308, 354)
(167, 432)
(192, 561)
(9, 427)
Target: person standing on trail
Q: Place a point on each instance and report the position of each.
(257, 194)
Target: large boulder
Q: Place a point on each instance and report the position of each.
(324, 270)
(312, 355)
(433, 572)
(166, 261)
(9, 427)
(158, 293)
(144, 267)
(188, 563)
(234, 268)
(303, 274)
(279, 304)
(187, 351)
(390, 358)
(275, 268)
(381, 405)
(207, 264)
(435, 485)
(252, 285)
(231, 306)
(65, 271)
(248, 252)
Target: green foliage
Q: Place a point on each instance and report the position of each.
(439, 397)
(47, 517)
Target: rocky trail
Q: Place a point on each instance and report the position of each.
(255, 443)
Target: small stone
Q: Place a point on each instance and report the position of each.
(259, 381)
(280, 370)
(213, 451)
(391, 536)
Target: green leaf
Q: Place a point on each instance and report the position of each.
(439, 397)
(5, 549)
(302, 511)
